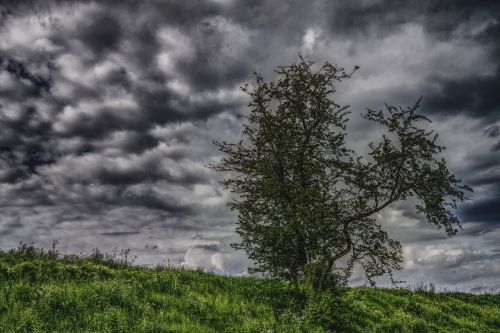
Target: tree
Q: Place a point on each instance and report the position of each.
(306, 202)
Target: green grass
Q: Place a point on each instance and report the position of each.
(42, 292)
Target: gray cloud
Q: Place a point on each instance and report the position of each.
(108, 111)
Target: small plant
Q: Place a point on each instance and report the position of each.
(329, 309)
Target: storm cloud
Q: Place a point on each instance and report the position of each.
(108, 111)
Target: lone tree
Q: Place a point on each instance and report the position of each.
(305, 202)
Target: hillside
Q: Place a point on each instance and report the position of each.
(44, 292)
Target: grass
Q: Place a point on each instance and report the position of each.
(41, 291)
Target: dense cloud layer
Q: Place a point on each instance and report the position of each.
(108, 111)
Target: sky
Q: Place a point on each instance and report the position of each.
(108, 111)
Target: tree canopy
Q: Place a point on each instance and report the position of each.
(306, 203)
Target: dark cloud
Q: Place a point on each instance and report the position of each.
(439, 18)
(136, 142)
(443, 18)
(102, 33)
(484, 210)
(118, 77)
(37, 83)
(492, 131)
(120, 233)
(377, 17)
(476, 95)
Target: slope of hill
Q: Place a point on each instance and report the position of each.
(41, 291)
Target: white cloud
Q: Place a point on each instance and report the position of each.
(174, 45)
(309, 40)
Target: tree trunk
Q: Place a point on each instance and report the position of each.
(330, 263)
(301, 251)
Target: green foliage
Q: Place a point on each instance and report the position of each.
(400, 310)
(305, 201)
(41, 293)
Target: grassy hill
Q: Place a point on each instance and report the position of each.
(43, 292)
